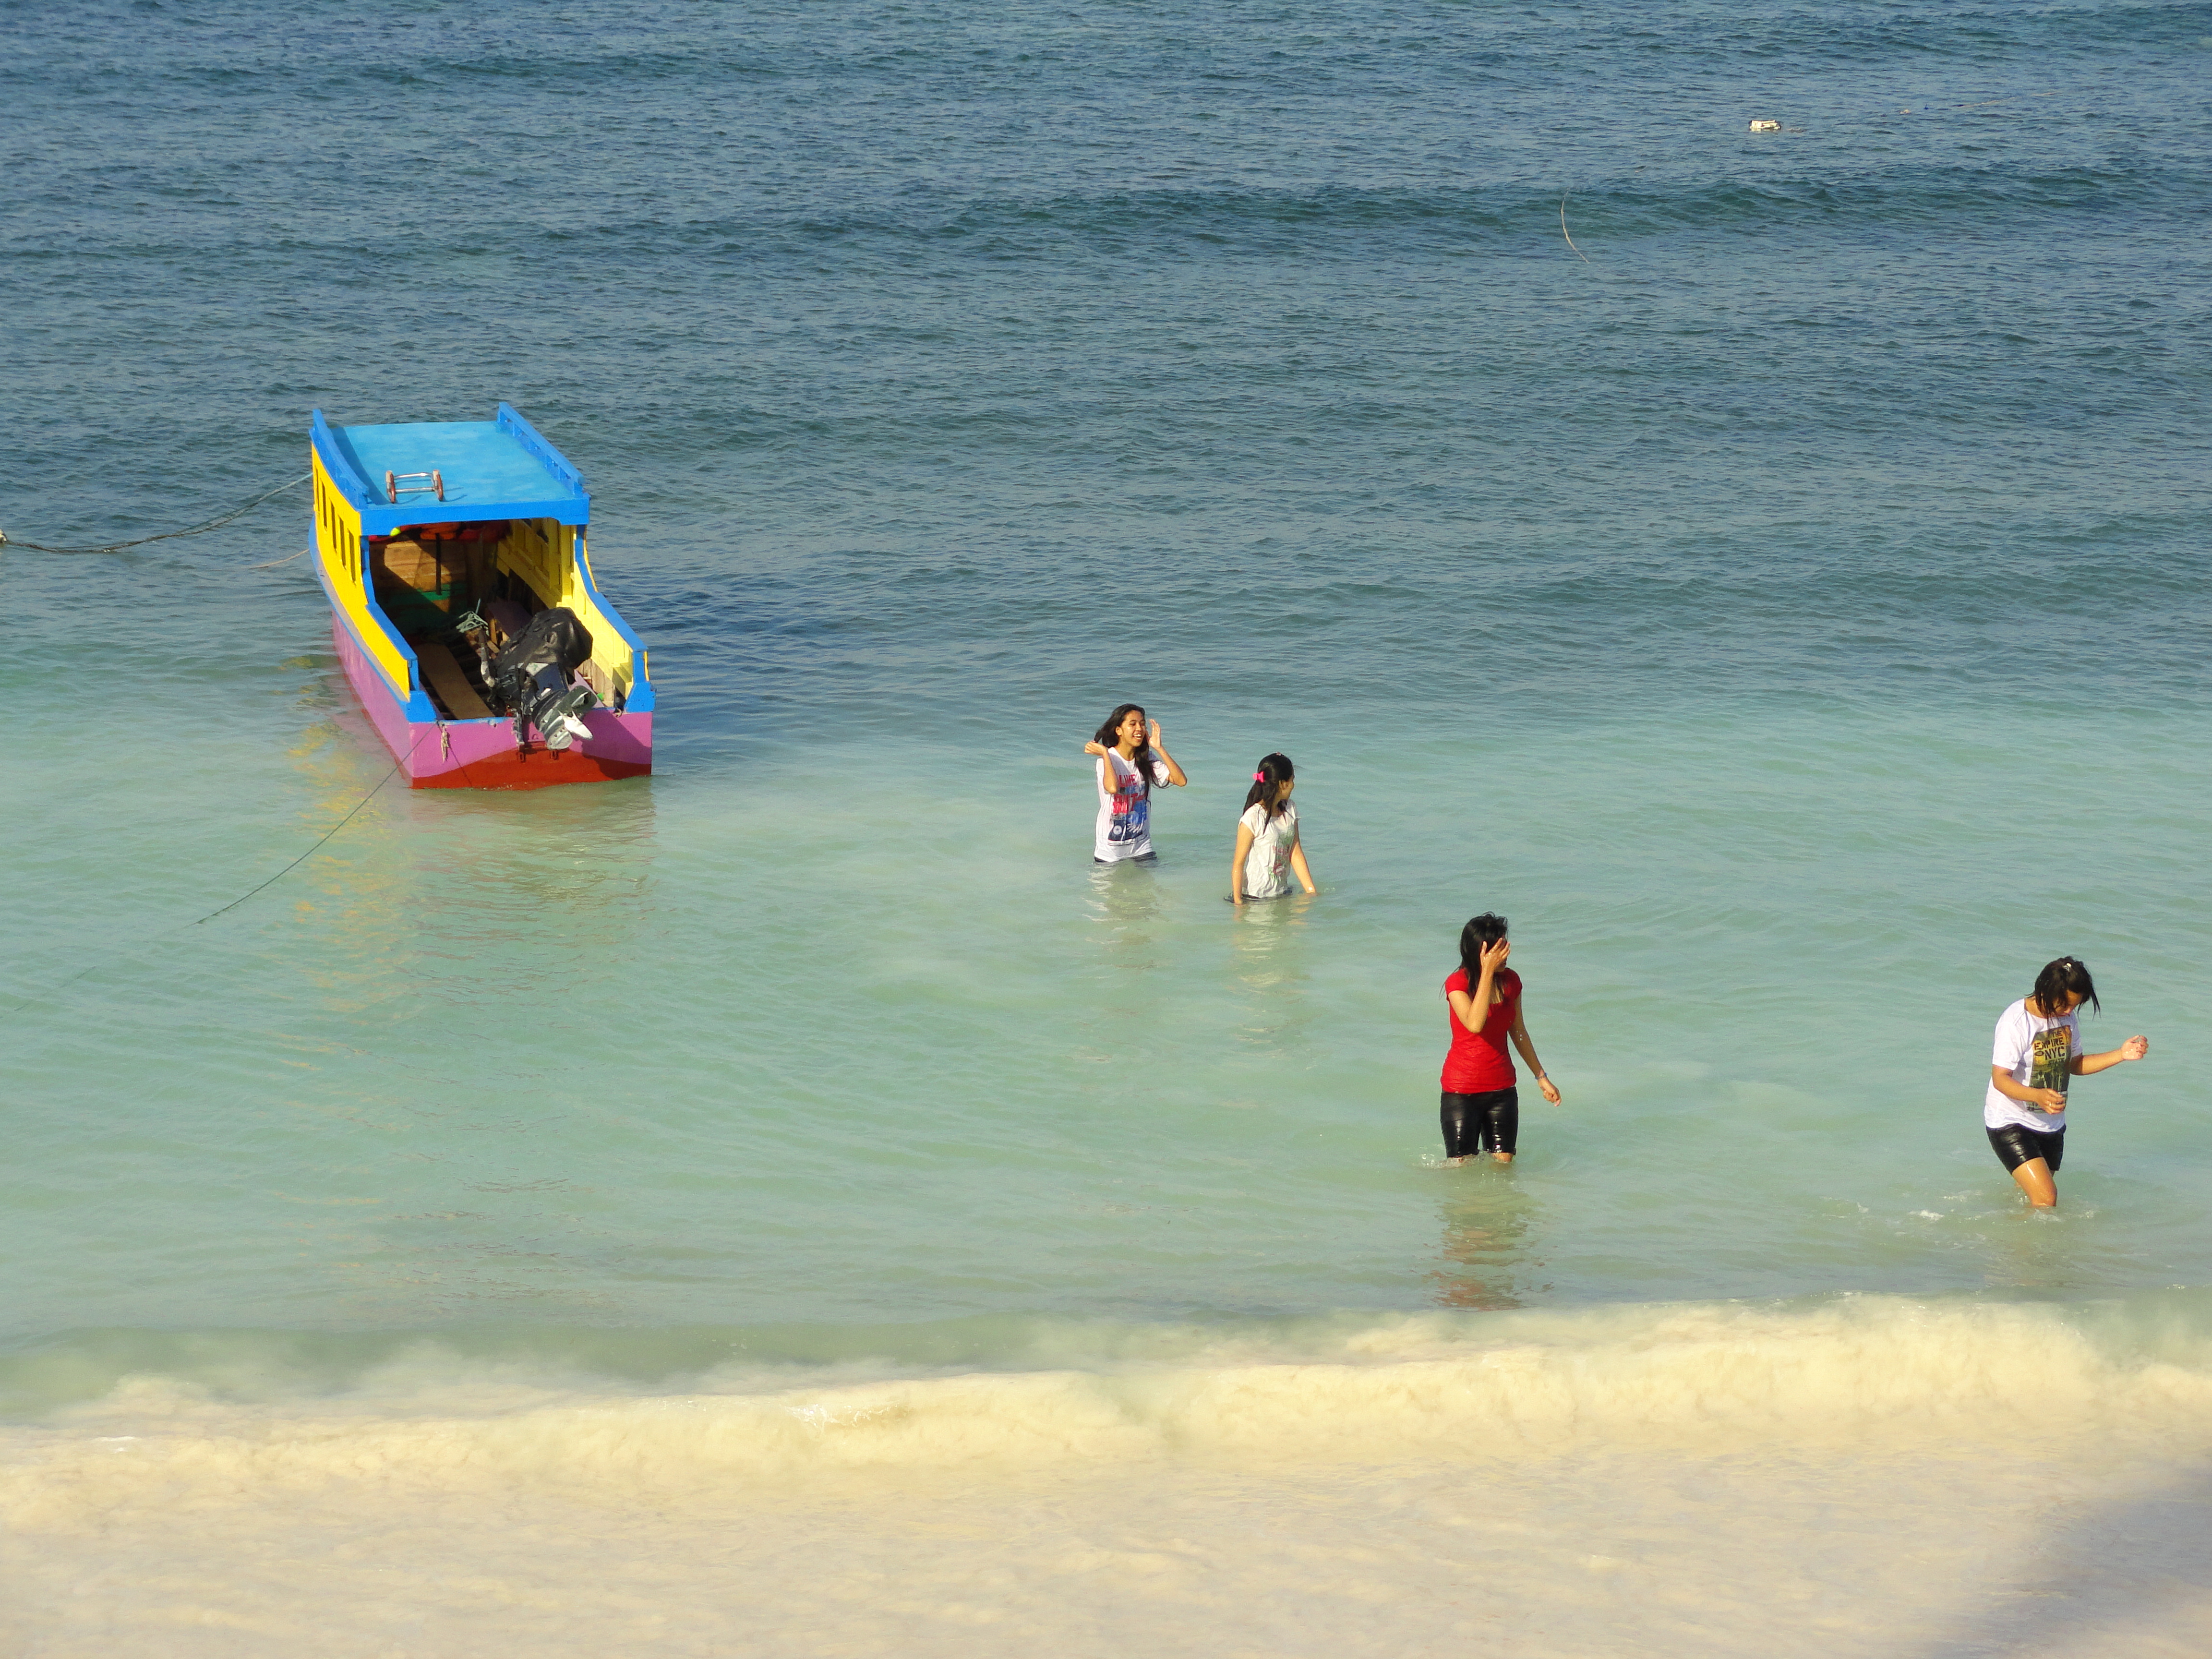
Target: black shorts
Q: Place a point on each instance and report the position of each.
(2017, 1143)
(1486, 1122)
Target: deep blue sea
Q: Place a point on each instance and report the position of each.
(797, 1203)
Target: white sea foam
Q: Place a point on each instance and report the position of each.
(1604, 1482)
(1696, 1378)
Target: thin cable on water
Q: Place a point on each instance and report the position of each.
(327, 834)
(1579, 254)
(31, 1002)
(199, 529)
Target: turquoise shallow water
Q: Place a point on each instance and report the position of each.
(1790, 610)
(633, 1055)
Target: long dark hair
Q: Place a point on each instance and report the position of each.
(1268, 781)
(2067, 975)
(1487, 929)
(1111, 733)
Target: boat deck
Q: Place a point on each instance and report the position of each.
(487, 472)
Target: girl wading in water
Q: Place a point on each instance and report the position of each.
(2039, 1051)
(1131, 760)
(1267, 851)
(1481, 1104)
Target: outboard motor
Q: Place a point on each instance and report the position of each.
(531, 677)
(491, 626)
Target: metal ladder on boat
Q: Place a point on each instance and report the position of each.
(396, 484)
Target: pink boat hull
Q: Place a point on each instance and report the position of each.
(481, 754)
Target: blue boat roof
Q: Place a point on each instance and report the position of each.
(501, 468)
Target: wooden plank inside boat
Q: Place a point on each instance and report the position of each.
(451, 681)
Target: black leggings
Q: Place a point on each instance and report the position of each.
(2017, 1143)
(1485, 1122)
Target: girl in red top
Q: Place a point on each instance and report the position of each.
(1481, 1106)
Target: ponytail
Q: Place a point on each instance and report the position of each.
(1268, 781)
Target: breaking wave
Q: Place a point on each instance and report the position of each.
(1861, 1370)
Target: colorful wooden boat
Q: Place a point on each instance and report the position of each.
(418, 524)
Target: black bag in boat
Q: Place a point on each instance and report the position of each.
(553, 639)
(531, 676)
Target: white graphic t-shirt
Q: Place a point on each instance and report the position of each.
(1267, 865)
(1125, 812)
(2038, 1052)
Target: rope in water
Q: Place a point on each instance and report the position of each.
(32, 1002)
(216, 523)
(327, 834)
(200, 529)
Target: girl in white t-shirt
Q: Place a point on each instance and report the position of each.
(1131, 760)
(1267, 851)
(2037, 1052)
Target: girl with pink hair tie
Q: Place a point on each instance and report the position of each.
(1268, 853)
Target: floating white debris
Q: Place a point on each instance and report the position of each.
(1766, 126)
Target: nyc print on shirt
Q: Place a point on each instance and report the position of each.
(2049, 1062)
(2036, 1052)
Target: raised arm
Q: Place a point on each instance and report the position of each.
(2089, 1065)
(1473, 1008)
(1175, 772)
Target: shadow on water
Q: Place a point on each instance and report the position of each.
(2109, 1580)
(1264, 926)
(2074, 1247)
(1126, 899)
(1269, 967)
(459, 887)
(1487, 1222)
(2035, 1249)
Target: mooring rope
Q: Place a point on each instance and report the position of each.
(144, 944)
(201, 529)
(327, 834)
(1579, 254)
